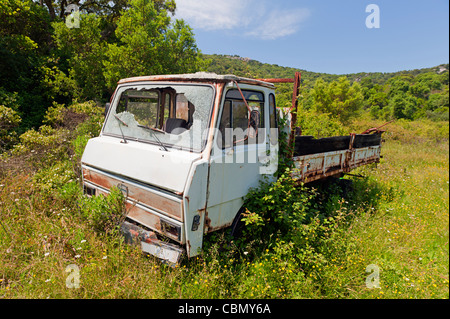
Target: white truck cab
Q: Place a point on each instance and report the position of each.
(185, 150)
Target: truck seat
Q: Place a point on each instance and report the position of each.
(175, 126)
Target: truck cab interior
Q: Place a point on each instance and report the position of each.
(163, 109)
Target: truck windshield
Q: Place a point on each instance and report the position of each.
(176, 116)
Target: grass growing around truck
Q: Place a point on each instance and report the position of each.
(300, 242)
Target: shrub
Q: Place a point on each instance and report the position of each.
(278, 206)
(319, 124)
(341, 99)
(9, 120)
(302, 230)
(43, 147)
(103, 213)
(79, 143)
(70, 193)
(53, 178)
(93, 120)
(54, 115)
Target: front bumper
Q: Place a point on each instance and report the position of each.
(150, 244)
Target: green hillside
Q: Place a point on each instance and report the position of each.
(410, 94)
(225, 64)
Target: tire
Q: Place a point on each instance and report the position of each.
(238, 225)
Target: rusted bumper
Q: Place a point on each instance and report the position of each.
(150, 244)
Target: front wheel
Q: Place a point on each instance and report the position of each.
(238, 225)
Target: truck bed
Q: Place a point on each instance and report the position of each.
(320, 158)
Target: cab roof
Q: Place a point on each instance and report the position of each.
(197, 77)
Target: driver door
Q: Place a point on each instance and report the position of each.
(235, 160)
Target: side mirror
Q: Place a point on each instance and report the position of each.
(253, 124)
(107, 105)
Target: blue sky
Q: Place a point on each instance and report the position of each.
(323, 36)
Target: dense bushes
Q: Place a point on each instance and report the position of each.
(9, 120)
(294, 238)
(53, 154)
(44, 61)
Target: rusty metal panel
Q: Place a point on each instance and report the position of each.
(149, 242)
(365, 156)
(333, 160)
(159, 201)
(272, 80)
(151, 219)
(312, 167)
(154, 221)
(142, 216)
(196, 78)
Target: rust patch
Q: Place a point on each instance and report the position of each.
(209, 78)
(189, 245)
(145, 197)
(151, 221)
(215, 113)
(220, 227)
(288, 80)
(207, 220)
(144, 217)
(135, 234)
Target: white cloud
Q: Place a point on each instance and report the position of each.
(251, 18)
(212, 15)
(279, 23)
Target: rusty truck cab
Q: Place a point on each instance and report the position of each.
(184, 150)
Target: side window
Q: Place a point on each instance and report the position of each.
(225, 126)
(273, 120)
(235, 117)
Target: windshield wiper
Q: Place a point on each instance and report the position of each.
(153, 130)
(120, 127)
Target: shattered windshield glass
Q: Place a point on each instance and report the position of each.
(167, 115)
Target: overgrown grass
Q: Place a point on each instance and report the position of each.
(396, 218)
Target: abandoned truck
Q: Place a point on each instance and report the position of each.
(185, 150)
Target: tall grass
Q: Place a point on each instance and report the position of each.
(395, 218)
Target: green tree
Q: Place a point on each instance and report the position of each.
(150, 43)
(403, 105)
(57, 8)
(339, 98)
(399, 84)
(438, 100)
(376, 102)
(83, 50)
(420, 90)
(25, 40)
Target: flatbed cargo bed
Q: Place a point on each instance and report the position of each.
(321, 158)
